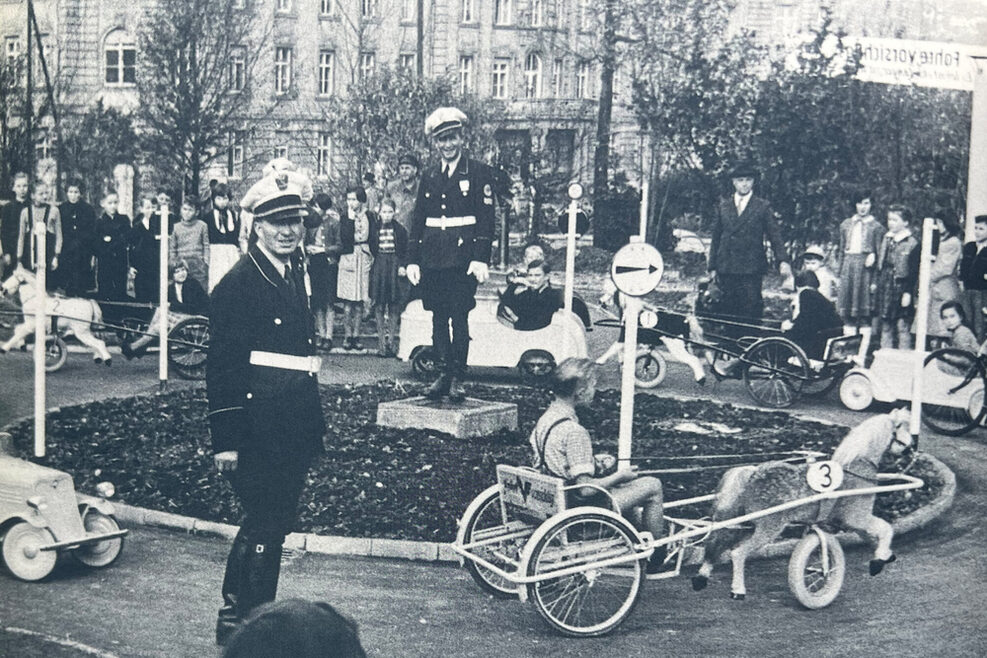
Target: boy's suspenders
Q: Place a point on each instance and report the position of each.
(542, 466)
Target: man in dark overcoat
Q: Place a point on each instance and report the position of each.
(265, 417)
(449, 246)
(736, 255)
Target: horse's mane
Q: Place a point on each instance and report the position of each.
(861, 440)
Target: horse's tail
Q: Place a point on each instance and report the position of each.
(728, 505)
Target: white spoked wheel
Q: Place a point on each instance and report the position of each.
(102, 553)
(816, 582)
(650, 369)
(22, 551)
(594, 599)
(485, 522)
(855, 392)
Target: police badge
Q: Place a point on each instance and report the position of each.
(464, 186)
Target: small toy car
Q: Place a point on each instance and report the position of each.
(41, 515)
(494, 343)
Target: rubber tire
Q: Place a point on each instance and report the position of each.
(189, 360)
(776, 353)
(489, 582)
(651, 358)
(964, 421)
(24, 536)
(423, 362)
(803, 558)
(101, 554)
(624, 531)
(856, 393)
(56, 353)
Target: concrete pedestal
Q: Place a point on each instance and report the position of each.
(471, 417)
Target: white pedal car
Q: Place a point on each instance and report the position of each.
(494, 343)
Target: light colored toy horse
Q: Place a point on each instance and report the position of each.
(748, 489)
(74, 315)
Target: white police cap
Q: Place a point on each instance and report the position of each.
(443, 120)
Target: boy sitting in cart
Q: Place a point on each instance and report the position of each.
(814, 318)
(185, 298)
(562, 448)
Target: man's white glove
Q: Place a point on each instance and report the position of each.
(479, 270)
(414, 274)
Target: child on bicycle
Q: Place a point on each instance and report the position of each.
(562, 447)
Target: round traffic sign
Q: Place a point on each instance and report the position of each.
(636, 269)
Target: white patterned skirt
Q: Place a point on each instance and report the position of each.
(353, 283)
(222, 257)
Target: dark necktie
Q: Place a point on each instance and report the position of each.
(289, 278)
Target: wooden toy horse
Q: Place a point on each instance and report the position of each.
(74, 315)
(749, 489)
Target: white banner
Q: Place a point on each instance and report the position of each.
(919, 63)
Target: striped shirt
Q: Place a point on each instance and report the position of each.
(385, 240)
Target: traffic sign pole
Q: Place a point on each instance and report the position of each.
(570, 256)
(40, 330)
(163, 298)
(632, 309)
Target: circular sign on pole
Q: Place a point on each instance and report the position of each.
(636, 269)
(575, 191)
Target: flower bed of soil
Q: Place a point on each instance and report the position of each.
(405, 484)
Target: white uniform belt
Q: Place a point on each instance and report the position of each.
(450, 222)
(310, 364)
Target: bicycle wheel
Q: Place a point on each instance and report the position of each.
(650, 369)
(595, 599)
(814, 583)
(188, 345)
(776, 370)
(955, 403)
(56, 352)
(486, 523)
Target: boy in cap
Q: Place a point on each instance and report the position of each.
(265, 417)
(449, 246)
(404, 190)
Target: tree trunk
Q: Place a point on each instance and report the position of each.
(601, 156)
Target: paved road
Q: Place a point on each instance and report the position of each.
(160, 598)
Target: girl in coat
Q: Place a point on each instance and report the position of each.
(389, 246)
(944, 282)
(897, 271)
(860, 243)
(322, 250)
(224, 234)
(110, 249)
(353, 287)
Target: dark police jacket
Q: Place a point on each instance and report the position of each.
(273, 412)
(738, 242)
(973, 267)
(453, 220)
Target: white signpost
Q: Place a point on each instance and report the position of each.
(575, 193)
(163, 298)
(636, 270)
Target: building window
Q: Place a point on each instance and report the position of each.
(44, 147)
(499, 79)
(408, 12)
(235, 156)
(582, 80)
(12, 49)
(239, 4)
(282, 6)
(586, 15)
(532, 76)
(406, 61)
(537, 13)
(238, 69)
(323, 155)
(282, 70)
(469, 11)
(280, 146)
(326, 73)
(368, 62)
(368, 8)
(465, 74)
(327, 7)
(121, 60)
(503, 12)
(557, 77)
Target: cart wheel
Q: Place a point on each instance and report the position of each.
(855, 391)
(188, 345)
(960, 408)
(775, 372)
(594, 600)
(424, 363)
(814, 586)
(22, 551)
(650, 369)
(822, 382)
(536, 365)
(486, 522)
(130, 329)
(56, 352)
(100, 554)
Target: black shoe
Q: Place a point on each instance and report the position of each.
(439, 388)
(127, 351)
(656, 563)
(456, 392)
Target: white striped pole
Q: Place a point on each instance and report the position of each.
(921, 323)
(40, 332)
(163, 300)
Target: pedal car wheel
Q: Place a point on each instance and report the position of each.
(424, 363)
(104, 553)
(775, 372)
(22, 551)
(594, 600)
(960, 407)
(855, 391)
(485, 523)
(650, 369)
(56, 352)
(188, 345)
(813, 585)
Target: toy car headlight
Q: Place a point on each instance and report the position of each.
(106, 489)
(648, 319)
(37, 503)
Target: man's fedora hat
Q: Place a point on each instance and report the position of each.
(282, 207)
(743, 169)
(443, 120)
(408, 159)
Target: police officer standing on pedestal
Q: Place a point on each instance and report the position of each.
(449, 246)
(264, 413)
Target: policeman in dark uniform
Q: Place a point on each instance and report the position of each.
(449, 245)
(264, 413)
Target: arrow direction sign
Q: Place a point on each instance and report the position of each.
(623, 269)
(637, 269)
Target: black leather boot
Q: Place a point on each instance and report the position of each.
(439, 388)
(456, 392)
(259, 578)
(229, 618)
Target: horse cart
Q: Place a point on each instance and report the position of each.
(188, 335)
(583, 568)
